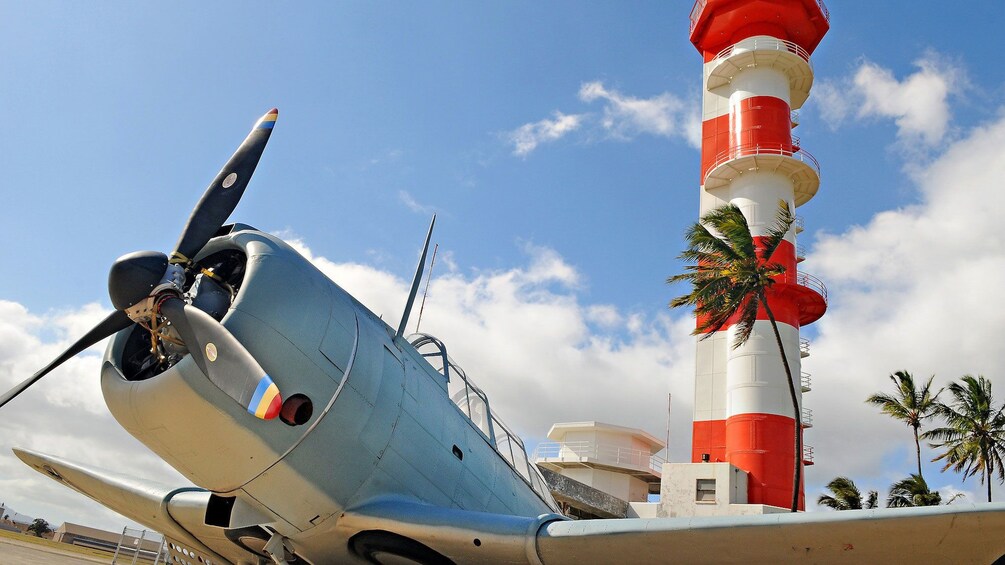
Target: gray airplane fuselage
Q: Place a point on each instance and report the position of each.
(382, 426)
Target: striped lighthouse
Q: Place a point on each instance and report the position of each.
(756, 75)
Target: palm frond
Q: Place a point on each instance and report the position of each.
(728, 280)
(747, 318)
(778, 230)
(973, 439)
(912, 491)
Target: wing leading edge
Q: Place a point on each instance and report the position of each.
(945, 534)
(942, 534)
(175, 512)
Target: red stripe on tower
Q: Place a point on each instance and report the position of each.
(756, 72)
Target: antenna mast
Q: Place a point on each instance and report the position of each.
(425, 290)
(415, 281)
(669, 412)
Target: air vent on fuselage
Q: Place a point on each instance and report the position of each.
(218, 510)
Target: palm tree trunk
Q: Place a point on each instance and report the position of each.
(917, 447)
(797, 463)
(988, 471)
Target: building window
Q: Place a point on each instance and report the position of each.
(705, 490)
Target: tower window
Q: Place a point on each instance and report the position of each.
(705, 490)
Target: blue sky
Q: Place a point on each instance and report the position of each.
(553, 140)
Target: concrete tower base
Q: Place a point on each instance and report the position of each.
(706, 489)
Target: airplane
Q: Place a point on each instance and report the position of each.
(316, 433)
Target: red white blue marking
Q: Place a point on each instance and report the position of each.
(268, 121)
(266, 402)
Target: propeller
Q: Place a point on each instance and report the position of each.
(147, 288)
(115, 322)
(223, 359)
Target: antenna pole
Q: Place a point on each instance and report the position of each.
(669, 411)
(425, 291)
(415, 281)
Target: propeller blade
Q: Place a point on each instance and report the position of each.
(224, 192)
(115, 322)
(224, 360)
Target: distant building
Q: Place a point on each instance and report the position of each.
(93, 538)
(595, 459)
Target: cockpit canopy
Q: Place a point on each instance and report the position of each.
(474, 404)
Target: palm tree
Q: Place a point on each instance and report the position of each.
(873, 500)
(908, 404)
(730, 275)
(974, 435)
(846, 496)
(912, 491)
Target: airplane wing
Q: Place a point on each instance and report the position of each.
(177, 513)
(954, 534)
(958, 534)
(944, 534)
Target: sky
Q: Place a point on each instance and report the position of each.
(557, 142)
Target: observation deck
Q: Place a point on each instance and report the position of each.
(806, 291)
(797, 165)
(603, 447)
(635, 462)
(784, 56)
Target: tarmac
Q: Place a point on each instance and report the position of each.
(17, 552)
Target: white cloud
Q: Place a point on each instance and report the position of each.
(918, 104)
(388, 157)
(605, 315)
(626, 117)
(63, 414)
(524, 335)
(913, 289)
(959, 496)
(527, 137)
(414, 205)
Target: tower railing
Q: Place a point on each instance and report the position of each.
(824, 10)
(805, 280)
(599, 453)
(807, 454)
(766, 44)
(806, 381)
(699, 7)
(807, 415)
(755, 149)
(811, 282)
(804, 347)
(799, 223)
